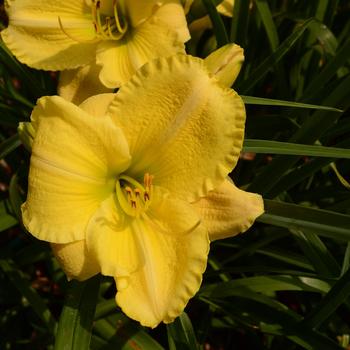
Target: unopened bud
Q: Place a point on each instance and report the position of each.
(225, 63)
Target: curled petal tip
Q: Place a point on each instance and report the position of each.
(225, 63)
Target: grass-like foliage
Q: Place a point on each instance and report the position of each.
(285, 284)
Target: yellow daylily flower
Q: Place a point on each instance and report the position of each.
(117, 35)
(118, 186)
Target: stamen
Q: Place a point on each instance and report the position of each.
(134, 201)
(120, 28)
(110, 32)
(99, 23)
(122, 200)
(109, 29)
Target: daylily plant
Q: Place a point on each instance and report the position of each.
(118, 36)
(137, 190)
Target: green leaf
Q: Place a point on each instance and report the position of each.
(9, 145)
(275, 57)
(15, 197)
(250, 100)
(31, 296)
(105, 308)
(6, 219)
(270, 28)
(265, 285)
(181, 334)
(317, 253)
(198, 9)
(74, 328)
(124, 334)
(239, 23)
(296, 217)
(218, 25)
(276, 147)
(334, 298)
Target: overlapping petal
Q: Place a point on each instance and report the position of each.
(228, 211)
(172, 269)
(75, 259)
(185, 129)
(37, 39)
(77, 85)
(111, 238)
(119, 60)
(171, 13)
(75, 157)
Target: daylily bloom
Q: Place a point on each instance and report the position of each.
(117, 35)
(131, 188)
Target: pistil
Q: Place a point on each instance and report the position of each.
(133, 197)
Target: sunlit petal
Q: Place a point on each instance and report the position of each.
(119, 60)
(171, 273)
(185, 129)
(36, 37)
(75, 259)
(228, 211)
(79, 84)
(75, 157)
(111, 238)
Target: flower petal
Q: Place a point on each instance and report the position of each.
(75, 157)
(225, 63)
(172, 14)
(185, 129)
(228, 211)
(111, 238)
(226, 7)
(79, 84)
(35, 37)
(75, 259)
(120, 59)
(138, 11)
(171, 273)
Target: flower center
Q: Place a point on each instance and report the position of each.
(111, 26)
(133, 197)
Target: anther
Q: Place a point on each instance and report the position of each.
(128, 190)
(146, 196)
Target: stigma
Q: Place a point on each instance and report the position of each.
(133, 197)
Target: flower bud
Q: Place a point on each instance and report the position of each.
(225, 63)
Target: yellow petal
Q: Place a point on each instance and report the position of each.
(171, 273)
(185, 129)
(172, 14)
(97, 105)
(120, 59)
(226, 7)
(225, 63)
(138, 11)
(228, 211)
(75, 157)
(111, 238)
(35, 37)
(76, 261)
(79, 84)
